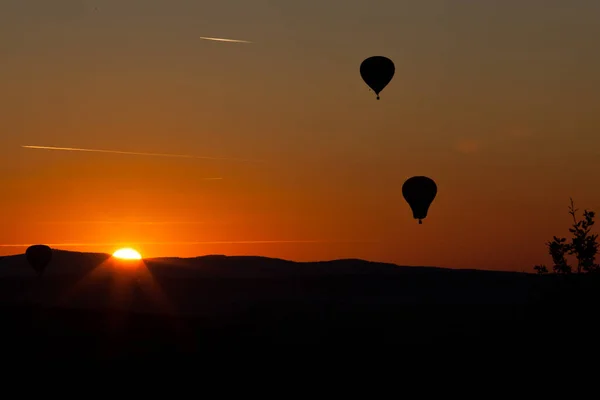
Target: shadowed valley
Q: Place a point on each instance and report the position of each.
(95, 306)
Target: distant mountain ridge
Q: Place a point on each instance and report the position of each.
(218, 285)
(247, 266)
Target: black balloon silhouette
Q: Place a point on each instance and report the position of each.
(377, 72)
(419, 192)
(38, 256)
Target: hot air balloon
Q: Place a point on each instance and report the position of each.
(377, 72)
(38, 256)
(419, 192)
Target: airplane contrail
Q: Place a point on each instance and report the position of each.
(224, 40)
(135, 153)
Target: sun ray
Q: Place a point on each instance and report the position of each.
(120, 283)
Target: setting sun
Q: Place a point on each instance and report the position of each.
(127, 254)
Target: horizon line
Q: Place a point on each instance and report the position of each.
(189, 243)
(35, 147)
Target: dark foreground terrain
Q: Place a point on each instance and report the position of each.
(90, 306)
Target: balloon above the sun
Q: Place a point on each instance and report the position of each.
(127, 254)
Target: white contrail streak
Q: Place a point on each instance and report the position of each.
(134, 153)
(224, 40)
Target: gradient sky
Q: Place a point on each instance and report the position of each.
(496, 100)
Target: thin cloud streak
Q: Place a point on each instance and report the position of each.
(135, 154)
(124, 243)
(126, 222)
(224, 40)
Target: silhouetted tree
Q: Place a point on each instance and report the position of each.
(541, 269)
(558, 249)
(583, 246)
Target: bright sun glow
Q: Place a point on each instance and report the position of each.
(127, 254)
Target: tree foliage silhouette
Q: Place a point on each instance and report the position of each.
(583, 245)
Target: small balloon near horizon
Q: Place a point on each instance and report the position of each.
(127, 254)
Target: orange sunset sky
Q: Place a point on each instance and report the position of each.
(498, 101)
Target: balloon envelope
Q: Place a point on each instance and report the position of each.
(419, 192)
(38, 256)
(377, 72)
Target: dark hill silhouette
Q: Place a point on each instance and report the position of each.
(175, 302)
